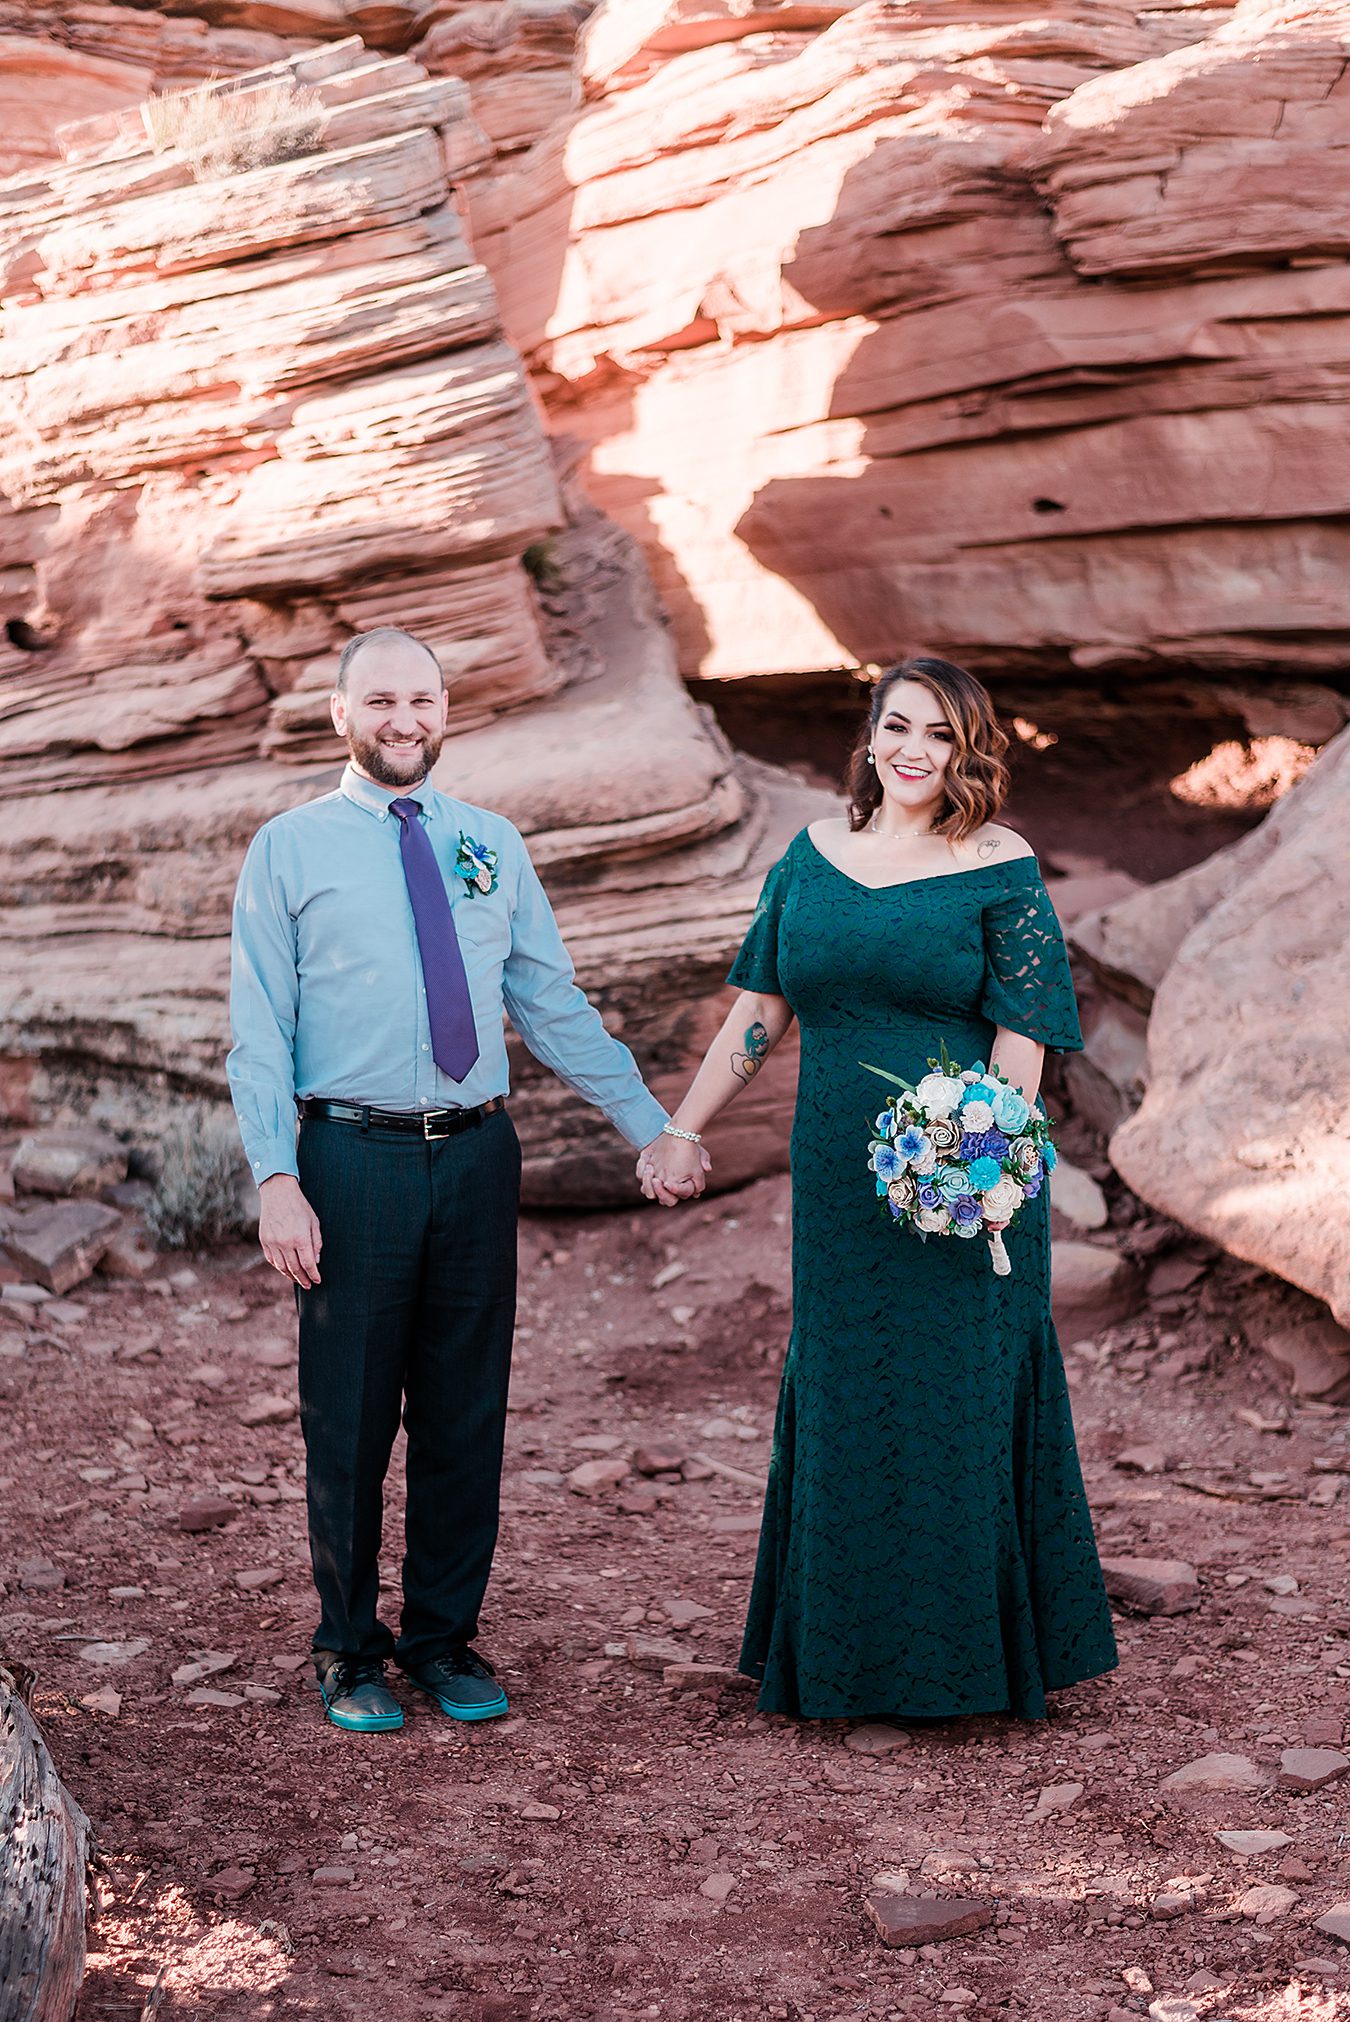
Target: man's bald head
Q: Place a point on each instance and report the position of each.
(379, 635)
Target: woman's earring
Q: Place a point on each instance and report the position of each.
(871, 758)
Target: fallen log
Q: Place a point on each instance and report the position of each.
(45, 1844)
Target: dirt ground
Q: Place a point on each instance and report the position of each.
(621, 1846)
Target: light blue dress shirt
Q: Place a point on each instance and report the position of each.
(326, 992)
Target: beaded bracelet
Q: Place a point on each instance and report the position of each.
(689, 1136)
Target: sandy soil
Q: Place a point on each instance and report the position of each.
(620, 1846)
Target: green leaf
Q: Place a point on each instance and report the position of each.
(894, 1080)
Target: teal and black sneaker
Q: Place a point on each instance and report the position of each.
(462, 1683)
(355, 1695)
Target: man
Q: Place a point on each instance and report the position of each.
(378, 933)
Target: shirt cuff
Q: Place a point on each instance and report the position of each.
(266, 1161)
(640, 1120)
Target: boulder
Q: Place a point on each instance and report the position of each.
(1090, 1285)
(74, 1160)
(1077, 1196)
(60, 1245)
(1240, 1133)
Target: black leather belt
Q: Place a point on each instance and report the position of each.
(429, 1124)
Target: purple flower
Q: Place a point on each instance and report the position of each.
(929, 1197)
(972, 1145)
(995, 1145)
(1032, 1186)
(966, 1210)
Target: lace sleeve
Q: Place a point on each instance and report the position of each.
(1027, 985)
(756, 965)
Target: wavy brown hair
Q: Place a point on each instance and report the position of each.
(976, 779)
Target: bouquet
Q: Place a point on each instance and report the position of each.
(963, 1149)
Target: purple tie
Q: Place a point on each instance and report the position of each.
(454, 1042)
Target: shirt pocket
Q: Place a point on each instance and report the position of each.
(483, 925)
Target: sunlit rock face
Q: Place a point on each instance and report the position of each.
(1015, 334)
(1241, 1132)
(241, 417)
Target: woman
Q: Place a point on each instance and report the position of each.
(926, 1547)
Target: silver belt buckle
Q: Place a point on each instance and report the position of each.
(432, 1116)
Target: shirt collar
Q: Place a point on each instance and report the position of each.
(365, 794)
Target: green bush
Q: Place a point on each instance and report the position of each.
(199, 1198)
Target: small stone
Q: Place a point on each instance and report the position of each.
(25, 1295)
(231, 1884)
(650, 1460)
(737, 1526)
(1189, 1666)
(680, 1613)
(718, 1428)
(204, 1664)
(958, 1997)
(923, 1920)
(114, 1653)
(598, 1442)
(1310, 1768)
(593, 1475)
(105, 1700)
(1248, 1843)
(261, 1580)
(1057, 1797)
(40, 1576)
(1174, 1274)
(1266, 1903)
(333, 1877)
(1335, 1922)
(539, 1813)
(184, 1280)
(1152, 1586)
(130, 1254)
(1169, 1903)
(262, 1695)
(64, 1313)
(653, 1653)
(1137, 1980)
(1202, 1981)
(126, 1593)
(206, 1513)
(1218, 1772)
(1281, 1583)
(717, 1887)
(1142, 1460)
(267, 1409)
(207, 1695)
(1089, 1282)
(1323, 1730)
(1172, 2008)
(713, 1677)
(875, 1737)
(94, 1475)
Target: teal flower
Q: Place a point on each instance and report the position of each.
(951, 1182)
(1011, 1110)
(984, 1173)
(477, 865)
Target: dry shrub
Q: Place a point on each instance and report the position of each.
(199, 1198)
(227, 130)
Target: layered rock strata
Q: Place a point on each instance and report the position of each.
(1021, 338)
(242, 417)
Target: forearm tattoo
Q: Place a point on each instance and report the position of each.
(745, 1066)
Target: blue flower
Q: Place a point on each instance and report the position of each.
(950, 1182)
(978, 1091)
(1011, 1110)
(911, 1143)
(972, 1145)
(966, 1210)
(885, 1123)
(929, 1195)
(1050, 1156)
(984, 1173)
(887, 1163)
(995, 1145)
(1031, 1187)
(896, 1210)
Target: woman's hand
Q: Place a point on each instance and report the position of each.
(672, 1169)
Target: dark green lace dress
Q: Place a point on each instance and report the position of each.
(926, 1546)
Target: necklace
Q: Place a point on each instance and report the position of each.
(897, 834)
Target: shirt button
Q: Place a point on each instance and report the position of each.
(425, 1047)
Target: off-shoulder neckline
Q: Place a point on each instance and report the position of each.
(902, 884)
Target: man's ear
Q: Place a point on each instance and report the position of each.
(337, 709)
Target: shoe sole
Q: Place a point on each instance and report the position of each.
(387, 1723)
(454, 1712)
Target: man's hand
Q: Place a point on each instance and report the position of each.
(288, 1230)
(671, 1170)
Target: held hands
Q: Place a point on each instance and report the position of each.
(288, 1230)
(671, 1170)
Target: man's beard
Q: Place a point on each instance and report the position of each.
(384, 766)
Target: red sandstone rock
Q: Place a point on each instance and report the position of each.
(924, 1920)
(1152, 1586)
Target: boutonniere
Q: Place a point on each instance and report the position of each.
(477, 865)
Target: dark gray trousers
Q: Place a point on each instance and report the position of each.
(415, 1312)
